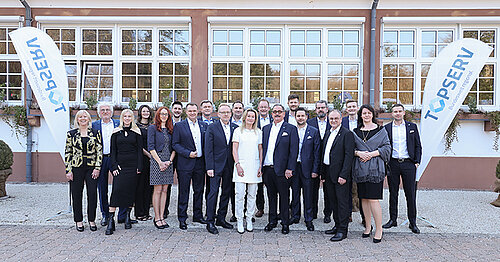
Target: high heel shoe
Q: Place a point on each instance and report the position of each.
(166, 224)
(93, 227)
(377, 240)
(79, 229)
(158, 226)
(367, 235)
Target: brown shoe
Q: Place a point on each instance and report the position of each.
(259, 213)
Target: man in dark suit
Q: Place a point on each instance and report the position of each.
(308, 162)
(280, 144)
(219, 162)
(321, 123)
(188, 139)
(264, 119)
(405, 158)
(105, 126)
(293, 105)
(337, 161)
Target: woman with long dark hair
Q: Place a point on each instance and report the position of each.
(144, 189)
(372, 151)
(83, 158)
(162, 156)
(126, 165)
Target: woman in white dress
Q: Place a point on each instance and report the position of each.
(247, 153)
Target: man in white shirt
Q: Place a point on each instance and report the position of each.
(405, 158)
(207, 108)
(263, 120)
(293, 104)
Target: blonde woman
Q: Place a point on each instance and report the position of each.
(83, 157)
(126, 164)
(247, 154)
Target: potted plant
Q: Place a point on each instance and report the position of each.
(6, 160)
(497, 187)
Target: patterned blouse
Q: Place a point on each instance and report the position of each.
(73, 154)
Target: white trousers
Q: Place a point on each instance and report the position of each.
(250, 190)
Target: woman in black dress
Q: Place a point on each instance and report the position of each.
(144, 190)
(162, 156)
(83, 158)
(372, 150)
(126, 164)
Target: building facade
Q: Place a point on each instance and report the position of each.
(155, 51)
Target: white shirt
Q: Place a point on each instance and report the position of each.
(399, 147)
(227, 131)
(196, 133)
(175, 122)
(273, 136)
(264, 121)
(237, 122)
(322, 126)
(302, 134)
(107, 131)
(329, 144)
(291, 119)
(353, 124)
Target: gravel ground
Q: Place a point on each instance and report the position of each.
(449, 211)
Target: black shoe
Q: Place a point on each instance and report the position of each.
(270, 226)
(212, 229)
(338, 237)
(414, 229)
(201, 221)
(295, 221)
(104, 222)
(285, 229)
(183, 225)
(158, 226)
(310, 226)
(166, 224)
(233, 219)
(279, 217)
(93, 227)
(224, 224)
(111, 224)
(315, 216)
(367, 235)
(377, 240)
(327, 220)
(259, 213)
(133, 221)
(79, 229)
(390, 223)
(121, 221)
(128, 222)
(332, 231)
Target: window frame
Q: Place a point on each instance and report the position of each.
(13, 58)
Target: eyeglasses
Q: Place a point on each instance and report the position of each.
(277, 112)
(227, 112)
(163, 114)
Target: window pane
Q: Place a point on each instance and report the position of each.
(406, 51)
(351, 51)
(182, 69)
(181, 35)
(220, 83)
(390, 84)
(166, 49)
(128, 81)
(257, 83)
(144, 35)
(235, 50)
(104, 35)
(391, 51)
(406, 84)
(351, 37)
(313, 83)
(144, 68)
(445, 36)
(257, 50)
(220, 69)
(296, 83)
(257, 36)
(92, 70)
(297, 70)
(273, 70)
(351, 70)
(235, 69)
(68, 34)
(390, 70)
(313, 36)
(297, 36)
(257, 70)
(488, 36)
(105, 49)
(67, 48)
(89, 49)
(166, 36)
(390, 37)
(273, 83)
(236, 83)
(106, 70)
(335, 83)
(335, 70)
(128, 68)
(128, 36)
(406, 98)
(220, 50)
(273, 50)
(166, 82)
(313, 70)
(14, 67)
(429, 37)
(470, 34)
(389, 97)
(273, 36)
(144, 96)
(484, 84)
(181, 49)
(335, 50)
(182, 82)
(166, 69)
(128, 49)
(53, 33)
(406, 70)
(235, 36)
(297, 50)
(428, 51)
(89, 35)
(406, 37)
(485, 99)
(313, 50)
(334, 36)
(487, 71)
(220, 36)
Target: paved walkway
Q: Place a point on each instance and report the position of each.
(34, 225)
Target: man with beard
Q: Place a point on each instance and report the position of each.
(293, 104)
(207, 108)
(322, 124)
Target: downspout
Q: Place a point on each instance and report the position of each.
(373, 30)
(29, 99)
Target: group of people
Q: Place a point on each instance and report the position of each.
(232, 156)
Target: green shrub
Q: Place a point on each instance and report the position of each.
(498, 169)
(6, 156)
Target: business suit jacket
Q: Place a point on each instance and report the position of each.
(258, 120)
(213, 118)
(218, 153)
(286, 149)
(183, 144)
(73, 153)
(314, 122)
(96, 125)
(310, 153)
(341, 154)
(345, 122)
(412, 140)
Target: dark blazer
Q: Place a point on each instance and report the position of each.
(314, 122)
(258, 120)
(310, 154)
(156, 139)
(73, 152)
(286, 149)
(287, 115)
(345, 122)
(217, 152)
(341, 154)
(183, 143)
(413, 144)
(96, 125)
(213, 118)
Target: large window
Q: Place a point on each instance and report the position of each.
(6, 46)
(276, 61)
(11, 80)
(117, 63)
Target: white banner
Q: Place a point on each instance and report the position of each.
(450, 79)
(45, 70)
